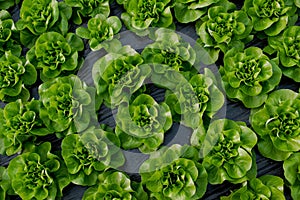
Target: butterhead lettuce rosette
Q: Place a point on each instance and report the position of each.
(222, 28)
(20, 122)
(90, 153)
(55, 55)
(15, 76)
(287, 49)
(277, 124)
(291, 167)
(174, 173)
(249, 75)
(41, 16)
(67, 105)
(271, 17)
(226, 149)
(38, 174)
(114, 184)
(264, 187)
(142, 123)
(139, 15)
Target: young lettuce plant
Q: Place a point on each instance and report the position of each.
(271, 17)
(287, 48)
(19, 123)
(187, 11)
(41, 16)
(170, 49)
(174, 173)
(210, 98)
(88, 154)
(15, 76)
(264, 187)
(87, 9)
(38, 174)
(143, 123)
(222, 28)
(67, 105)
(291, 168)
(249, 75)
(100, 30)
(226, 150)
(5, 4)
(56, 55)
(140, 15)
(9, 36)
(115, 185)
(5, 184)
(278, 125)
(118, 75)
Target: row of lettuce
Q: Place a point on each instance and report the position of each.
(221, 149)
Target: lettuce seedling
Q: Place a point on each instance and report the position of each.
(15, 76)
(20, 122)
(55, 55)
(174, 173)
(100, 30)
(278, 125)
(264, 187)
(249, 75)
(88, 8)
(143, 123)
(287, 48)
(41, 16)
(115, 185)
(187, 11)
(139, 15)
(222, 28)
(271, 17)
(38, 174)
(226, 149)
(291, 168)
(67, 105)
(9, 36)
(88, 154)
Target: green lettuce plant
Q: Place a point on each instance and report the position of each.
(5, 184)
(88, 8)
(226, 149)
(5, 4)
(174, 173)
(15, 76)
(115, 185)
(264, 187)
(38, 174)
(291, 168)
(119, 74)
(170, 49)
(90, 153)
(55, 55)
(187, 11)
(205, 89)
(222, 28)
(100, 29)
(41, 16)
(277, 124)
(249, 75)
(142, 123)
(140, 15)
(19, 123)
(67, 105)
(287, 49)
(9, 37)
(271, 17)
